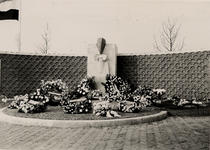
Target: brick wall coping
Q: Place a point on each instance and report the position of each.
(119, 54)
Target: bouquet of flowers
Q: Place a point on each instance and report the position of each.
(116, 87)
(104, 109)
(17, 100)
(31, 107)
(29, 103)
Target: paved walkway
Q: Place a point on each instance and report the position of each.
(172, 133)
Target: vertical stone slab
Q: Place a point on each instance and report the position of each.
(109, 66)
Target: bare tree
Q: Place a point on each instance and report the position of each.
(45, 46)
(168, 37)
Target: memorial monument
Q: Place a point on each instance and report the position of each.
(102, 60)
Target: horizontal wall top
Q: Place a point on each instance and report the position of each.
(119, 54)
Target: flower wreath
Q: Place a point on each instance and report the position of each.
(76, 101)
(116, 87)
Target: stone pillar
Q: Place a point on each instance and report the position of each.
(100, 69)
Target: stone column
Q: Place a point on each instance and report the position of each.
(100, 69)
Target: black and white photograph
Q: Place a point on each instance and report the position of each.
(104, 74)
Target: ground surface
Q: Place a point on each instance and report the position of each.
(175, 132)
(190, 133)
(56, 113)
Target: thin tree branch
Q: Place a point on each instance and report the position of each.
(168, 37)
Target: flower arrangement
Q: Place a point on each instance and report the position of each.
(36, 96)
(104, 109)
(116, 87)
(142, 95)
(127, 107)
(53, 89)
(17, 100)
(158, 93)
(29, 103)
(83, 88)
(114, 98)
(31, 107)
(176, 101)
(3, 98)
(81, 105)
(76, 101)
(95, 94)
(53, 86)
(158, 97)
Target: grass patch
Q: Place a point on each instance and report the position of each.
(56, 113)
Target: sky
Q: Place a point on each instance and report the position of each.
(131, 25)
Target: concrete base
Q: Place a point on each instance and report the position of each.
(81, 123)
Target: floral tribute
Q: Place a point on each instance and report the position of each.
(96, 94)
(119, 90)
(116, 88)
(3, 98)
(77, 101)
(158, 94)
(128, 106)
(53, 86)
(141, 97)
(54, 89)
(104, 109)
(159, 98)
(26, 104)
(178, 101)
(77, 106)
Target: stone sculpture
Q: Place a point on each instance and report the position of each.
(100, 58)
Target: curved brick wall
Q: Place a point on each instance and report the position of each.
(183, 74)
(22, 74)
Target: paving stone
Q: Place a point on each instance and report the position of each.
(110, 144)
(97, 139)
(128, 137)
(119, 142)
(172, 133)
(158, 138)
(143, 136)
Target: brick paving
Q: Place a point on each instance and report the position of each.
(190, 133)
